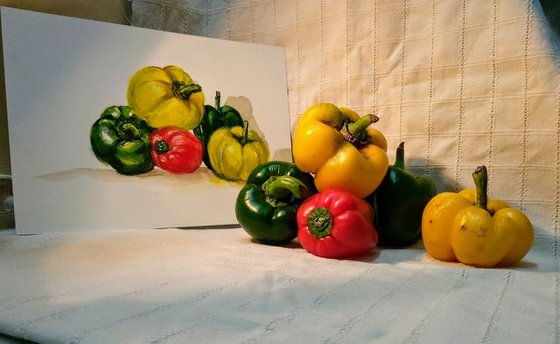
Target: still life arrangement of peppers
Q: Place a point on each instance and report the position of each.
(166, 124)
(340, 198)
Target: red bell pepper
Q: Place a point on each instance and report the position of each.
(176, 150)
(336, 224)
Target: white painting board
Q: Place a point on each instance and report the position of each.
(61, 73)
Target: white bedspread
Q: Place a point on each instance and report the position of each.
(216, 286)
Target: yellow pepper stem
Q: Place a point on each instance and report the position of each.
(356, 133)
(480, 177)
(184, 91)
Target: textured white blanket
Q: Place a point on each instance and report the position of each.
(216, 286)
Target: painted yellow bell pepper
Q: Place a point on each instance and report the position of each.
(166, 97)
(234, 152)
(474, 230)
(340, 149)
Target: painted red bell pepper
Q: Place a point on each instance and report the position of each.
(336, 224)
(176, 150)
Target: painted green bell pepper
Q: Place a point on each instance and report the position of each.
(121, 139)
(399, 202)
(215, 117)
(266, 207)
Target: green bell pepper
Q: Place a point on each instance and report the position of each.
(121, 139)
(398, 204)
(215, 117)
(266, 207)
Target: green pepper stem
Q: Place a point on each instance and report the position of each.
(184, 91)
(399, 160)
(130, 130)
(279, 189)
(245, 136)
(320, 222)
(161, 147)
(217, 100)
(355, 132)
(480, 177)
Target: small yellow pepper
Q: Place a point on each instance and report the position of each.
(340, 148)
(166, 97)
(474, 230)
(234, 152)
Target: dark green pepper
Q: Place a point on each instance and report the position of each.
(121, 139)
(267, 205)
(214, 118)
(398, 204)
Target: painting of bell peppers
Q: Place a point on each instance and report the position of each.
(167, 125)
(152, 128)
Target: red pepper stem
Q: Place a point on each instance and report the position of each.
(161, 147)
(480, 177)
(320, 222)
(217, 99)
(399, 159)
(279, 189)
(184, 91)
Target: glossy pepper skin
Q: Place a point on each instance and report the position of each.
(469, 228)
(121, 139)
(234, 152)
(266, 206)
(176, 150)
(336, 224)
(166, 97)
(216, 117)
(340, 148)
(399, 202)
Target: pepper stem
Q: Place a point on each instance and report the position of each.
(161, 147)
(184, 91)
(480, 177)
(282, 189)
(245, 136)
(399, 160)
(355, 132)
(320, 222)
(130, 130)
(217, 99)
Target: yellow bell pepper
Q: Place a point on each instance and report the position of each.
(234, 152)
(340, 148)
(166, 97)
(474, 230)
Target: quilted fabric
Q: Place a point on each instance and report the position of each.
(216, 286)
(463, 83)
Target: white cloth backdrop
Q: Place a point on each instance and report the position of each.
(462, 82)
